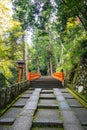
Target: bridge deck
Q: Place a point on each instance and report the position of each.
(45, 109)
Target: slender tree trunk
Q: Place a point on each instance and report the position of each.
(23, 56)
(51, 69)
(48, 71)
(61, 57)
(26, 59)
(82, 23)
(56, 59)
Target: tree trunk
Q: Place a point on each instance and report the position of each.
(51, 69)
(82, 23)
(23, 57)
(56, 59)
(26, 59)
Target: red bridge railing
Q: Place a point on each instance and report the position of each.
(32, 76)
(59, 76)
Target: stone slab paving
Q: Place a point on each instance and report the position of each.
(46, 117)
(47, 96)
(72, 127)
(26, 95)
(9, 117)
(43, 103)
(34, 97)
(69, 117)
(81, 113)
(47, 102)
(31, 105)
(68, 96)
(50, 118)
(25, 112)
(74, 103)
(33, 101)
(57, 92)
(20, 103)
(31, 89)
(47, 91)
(28, 92)
(13, 113)
(24, 121)
(7, 121)
(64, 90)
(64, 106)
(60, 98)
(70, 120)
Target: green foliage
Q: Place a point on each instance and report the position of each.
(27, 11)
(59, 36)
(13, 42)
(11, 45)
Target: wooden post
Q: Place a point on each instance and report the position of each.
(20, 74)
(20, 69)
(29, 76)
(62, 77)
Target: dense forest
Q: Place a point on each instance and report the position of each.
(58, 30)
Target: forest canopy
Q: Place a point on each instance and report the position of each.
(59, 35)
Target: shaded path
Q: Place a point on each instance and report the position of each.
(45, 108)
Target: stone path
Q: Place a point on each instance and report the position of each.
(45, 109)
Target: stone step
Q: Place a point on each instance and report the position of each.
(13, 112)
(81, 113)
(63, 90)
(49, 109)
(47, 96)
(29, 91)
(46, 86)
(7, 121)
(43, 97)
(45, 123)
(47, 117)
(74, 103)
(68, 96)
(76, 106)
(26, 95)
(20, 103)
(47, 82)
(50, 104)
(46, 91)
(25, 118)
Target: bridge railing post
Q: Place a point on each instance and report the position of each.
(63, 83)
(29, 75)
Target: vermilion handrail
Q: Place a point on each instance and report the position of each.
(32, 75)
(59, 76)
